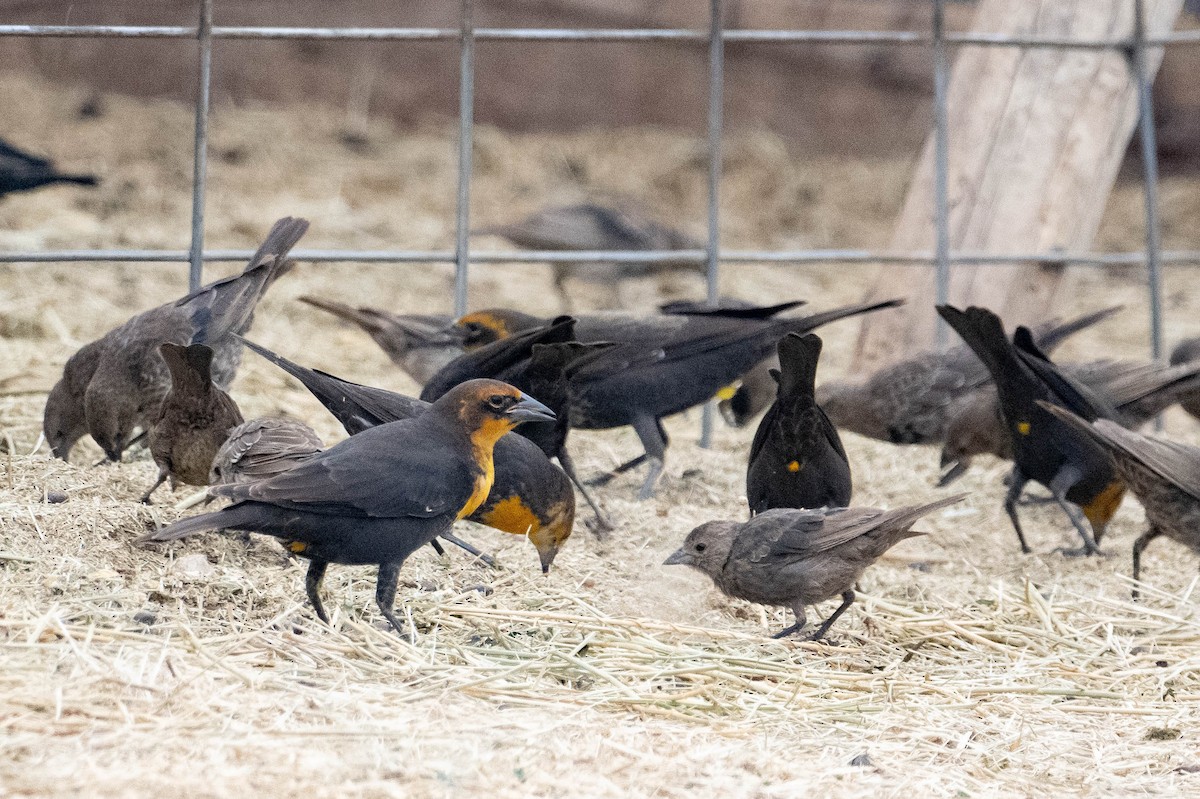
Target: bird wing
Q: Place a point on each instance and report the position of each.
(389, 471)
(789, 534)
(1178, 464)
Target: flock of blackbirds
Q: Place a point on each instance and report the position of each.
(410, 467)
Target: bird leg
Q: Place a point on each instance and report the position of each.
(385, 593)
(437, 547)
(602, 525)
(847, 601)
(1068, 476)
(463, 545)
(1151, 533)
(801, 620)
(163, 473)
(312, 586)
(606, 478)
(650, 432)
(1016, 484)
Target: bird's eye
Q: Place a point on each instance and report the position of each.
(497, 401)
(701, 547)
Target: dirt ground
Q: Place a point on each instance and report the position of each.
(966, 669)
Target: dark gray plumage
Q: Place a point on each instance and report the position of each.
(262, 448)
(22, 171)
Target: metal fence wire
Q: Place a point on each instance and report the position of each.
(940, 42)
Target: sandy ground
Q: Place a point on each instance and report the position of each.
(965, 670)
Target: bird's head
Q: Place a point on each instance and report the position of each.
(64, 421)
(483, 327)
(111, 416)
(706, 548)
(488, 409)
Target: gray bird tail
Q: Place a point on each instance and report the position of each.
(901, 519)
(1050, 336)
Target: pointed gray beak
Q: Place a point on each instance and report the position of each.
(678, 558)
(530, 410)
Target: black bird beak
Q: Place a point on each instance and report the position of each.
(956, 470)
(530, 410)
(678, 558)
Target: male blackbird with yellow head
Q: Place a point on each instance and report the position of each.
(796, 557)
(1045, 449)
(117, 383)
(193, 421)
(797, 459)
(378, 496)
(1164, 476)
(676, 362)
(530, 497)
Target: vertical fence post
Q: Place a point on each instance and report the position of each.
(716, 100)
(200, 146)
(466, 127)
(1150, 177)
(941, 165)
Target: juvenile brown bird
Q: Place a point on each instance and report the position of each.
(911, 401)
(1137, 392)
(1164, 476)
(378, 496)
(193, 420)
(530, 497)
(590, 226)
(262, 448)
(64, 421)
(419, 344)
(1059, 457)
(22, 171)
(797, 459)
(131, 377)
(793, 558)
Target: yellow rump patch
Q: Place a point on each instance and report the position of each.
(512, 515)
(296, 546)
(793, 467)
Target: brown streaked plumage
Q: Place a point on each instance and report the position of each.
(794, 558)
(1164, 476)
(378, 496)
(262, 448)
(193, 420)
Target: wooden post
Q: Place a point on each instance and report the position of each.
(1036, 138)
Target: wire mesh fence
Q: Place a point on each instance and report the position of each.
(716, 38)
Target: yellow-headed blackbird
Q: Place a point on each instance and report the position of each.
(540, 361)
(1163, 475)
(22, 171)
(911, 401)
(262, 448)
(531, 497)
(590, 226)
(1188, 351)
(378, 496)
(1137, 392)
(194, 418)
(1044, 449)
(418, 344)
(130, 378)
(797, 459)
(794, 557)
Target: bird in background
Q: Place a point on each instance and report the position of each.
(530, 496)
(420, 344)
(1164, 476)
(912, 400)
(794, 558)
(381, 494)
(1188, 351)
(1045, 450)
(193, 420)
(797, 459)
(128, 377)
(22, 171)
(592, 226)
(1137, 392)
